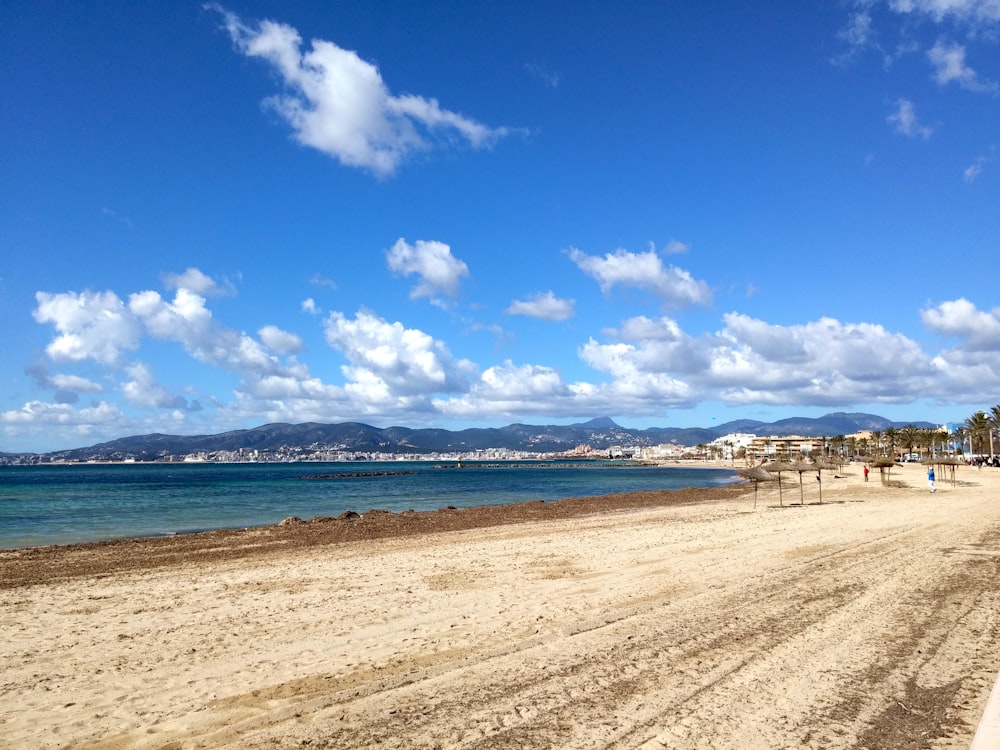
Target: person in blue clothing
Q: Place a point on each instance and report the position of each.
(930, 478)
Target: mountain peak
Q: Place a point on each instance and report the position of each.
(598, 423)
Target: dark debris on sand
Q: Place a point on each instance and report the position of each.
(39, 565)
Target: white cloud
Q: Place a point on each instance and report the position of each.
(975, 169)
(858, 32)
(972, 12)
(971, 368)
(440, 272)
(338, 103)
(509, 391)
(390, 371)
(193, 280)
(309, 306)
(905, 120)
(283, 342)
(642, 328)
(674, 286)
(389, 361)
(91, 326)
(544, 305)
(751, 361)
(820, 362)
(674, 247)
(76, 383)
(978, 329)
(41, 416)
(143, 390)
(949, 66)
(186, 320)
(68, 386)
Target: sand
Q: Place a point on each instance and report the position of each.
(868, 621)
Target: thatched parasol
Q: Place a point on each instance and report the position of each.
(819, 466)
(755, 474)
(950, 462)
(776, 467)
(801, 466)
(882, 463)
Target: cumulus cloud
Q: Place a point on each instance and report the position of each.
(39, 372)
(905, 120)
(644, 366)
(978, 329)
(822, 362)
(91, 325)
(37, 417)
(751, 361)
(193, 280)
(388, 361)
(187, 321)
(544, 305)
(674, 286)
(143, 390)
(282, 342)
(440, 272)
(337, 103)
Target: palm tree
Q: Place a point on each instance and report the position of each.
(909, 436)
(958, 438)
(994, 417)
(890, 434)
(877, 437)
(838, 444)
(978, 429)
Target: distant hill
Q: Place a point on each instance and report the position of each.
(600, 434)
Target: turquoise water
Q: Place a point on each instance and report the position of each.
(83, 503)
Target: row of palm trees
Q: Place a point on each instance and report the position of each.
(979, 435)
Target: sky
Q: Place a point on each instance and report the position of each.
(457, 214)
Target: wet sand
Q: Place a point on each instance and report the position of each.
(647, 620)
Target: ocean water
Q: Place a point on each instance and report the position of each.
(42, 505)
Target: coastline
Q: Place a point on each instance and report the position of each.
(41, 506)
(44, 564)
(865, 621)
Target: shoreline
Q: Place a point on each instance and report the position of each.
(26, 566)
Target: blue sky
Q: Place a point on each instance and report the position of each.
(470, 214)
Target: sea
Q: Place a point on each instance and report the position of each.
(73, 503)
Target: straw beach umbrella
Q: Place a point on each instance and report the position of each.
(755, 474)
(949, 462)
(819, 465)
(776, 467)
(801, 466)
(883, 463)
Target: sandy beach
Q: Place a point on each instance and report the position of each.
(660, 620)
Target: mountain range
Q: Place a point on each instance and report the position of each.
(599, 434)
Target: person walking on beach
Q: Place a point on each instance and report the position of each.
(866, 472)
(930, 479)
